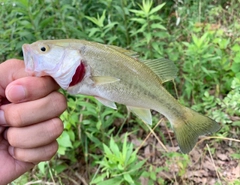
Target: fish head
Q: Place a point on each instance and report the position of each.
(55, 59)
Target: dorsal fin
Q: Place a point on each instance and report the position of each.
(164, 68)
(124, 51)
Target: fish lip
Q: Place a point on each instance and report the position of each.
(30, 65)
(28, 59)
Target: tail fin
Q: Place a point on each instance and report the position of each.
(191, 127)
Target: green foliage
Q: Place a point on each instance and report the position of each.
(151, 31)
(120, 165)
(151, 174)
(203, 68)
(180, 160)
(225, 110)
(201, 37)
(87, 124)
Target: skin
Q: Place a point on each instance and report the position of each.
(29, 123)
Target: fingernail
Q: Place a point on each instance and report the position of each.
(16, 93)
(11, 151)
(3, 121)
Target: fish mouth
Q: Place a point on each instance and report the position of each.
(30, 65)
(28, 60)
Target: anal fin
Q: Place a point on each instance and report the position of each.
(107, 102)
(144, 114)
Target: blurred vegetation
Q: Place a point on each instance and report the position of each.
(201, 37)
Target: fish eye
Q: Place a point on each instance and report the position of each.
(43, 48)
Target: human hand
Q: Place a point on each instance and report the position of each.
(29, 123)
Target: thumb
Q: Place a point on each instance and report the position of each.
(10, 70)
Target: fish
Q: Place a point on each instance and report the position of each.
(116, 75)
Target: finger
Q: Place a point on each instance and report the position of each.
(35, 135)
(30, 88)
(10, 70)
(35, 155)
(10, 168)
(26, 113)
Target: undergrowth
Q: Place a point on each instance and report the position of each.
(100, 145)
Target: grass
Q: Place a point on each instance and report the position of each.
(201, 37)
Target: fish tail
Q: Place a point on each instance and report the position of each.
(190, 127)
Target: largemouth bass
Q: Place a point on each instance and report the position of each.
(112, 74)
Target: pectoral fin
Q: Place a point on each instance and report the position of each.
(107, 102)
(143, 114)
(100, 80)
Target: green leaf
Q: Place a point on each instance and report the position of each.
(128, 178)
(112, 181)
(99, 124)
(148, 37)
(146, 6)
(41, 167)
(46, 22)
(196, 41)
(235, 67)
(99, 20)
(60, 168)
(107, 150)
(159, 26)
(235, 48)
(61, 150)
(157, 8)
(114, 147)
(124, 148)
(236, 123)
(139, 165)
(71, 135)
(138, 12)
(98, 179)
(64, 140)
(23, 3)
(139, 20)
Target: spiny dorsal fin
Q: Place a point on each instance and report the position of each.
(124, 51)
(165, 69)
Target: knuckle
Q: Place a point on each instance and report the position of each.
(21, 155)
(59, 102)
(13, 116)
(50, 150)
(55, 128)
(18, 154)
(12, 137)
